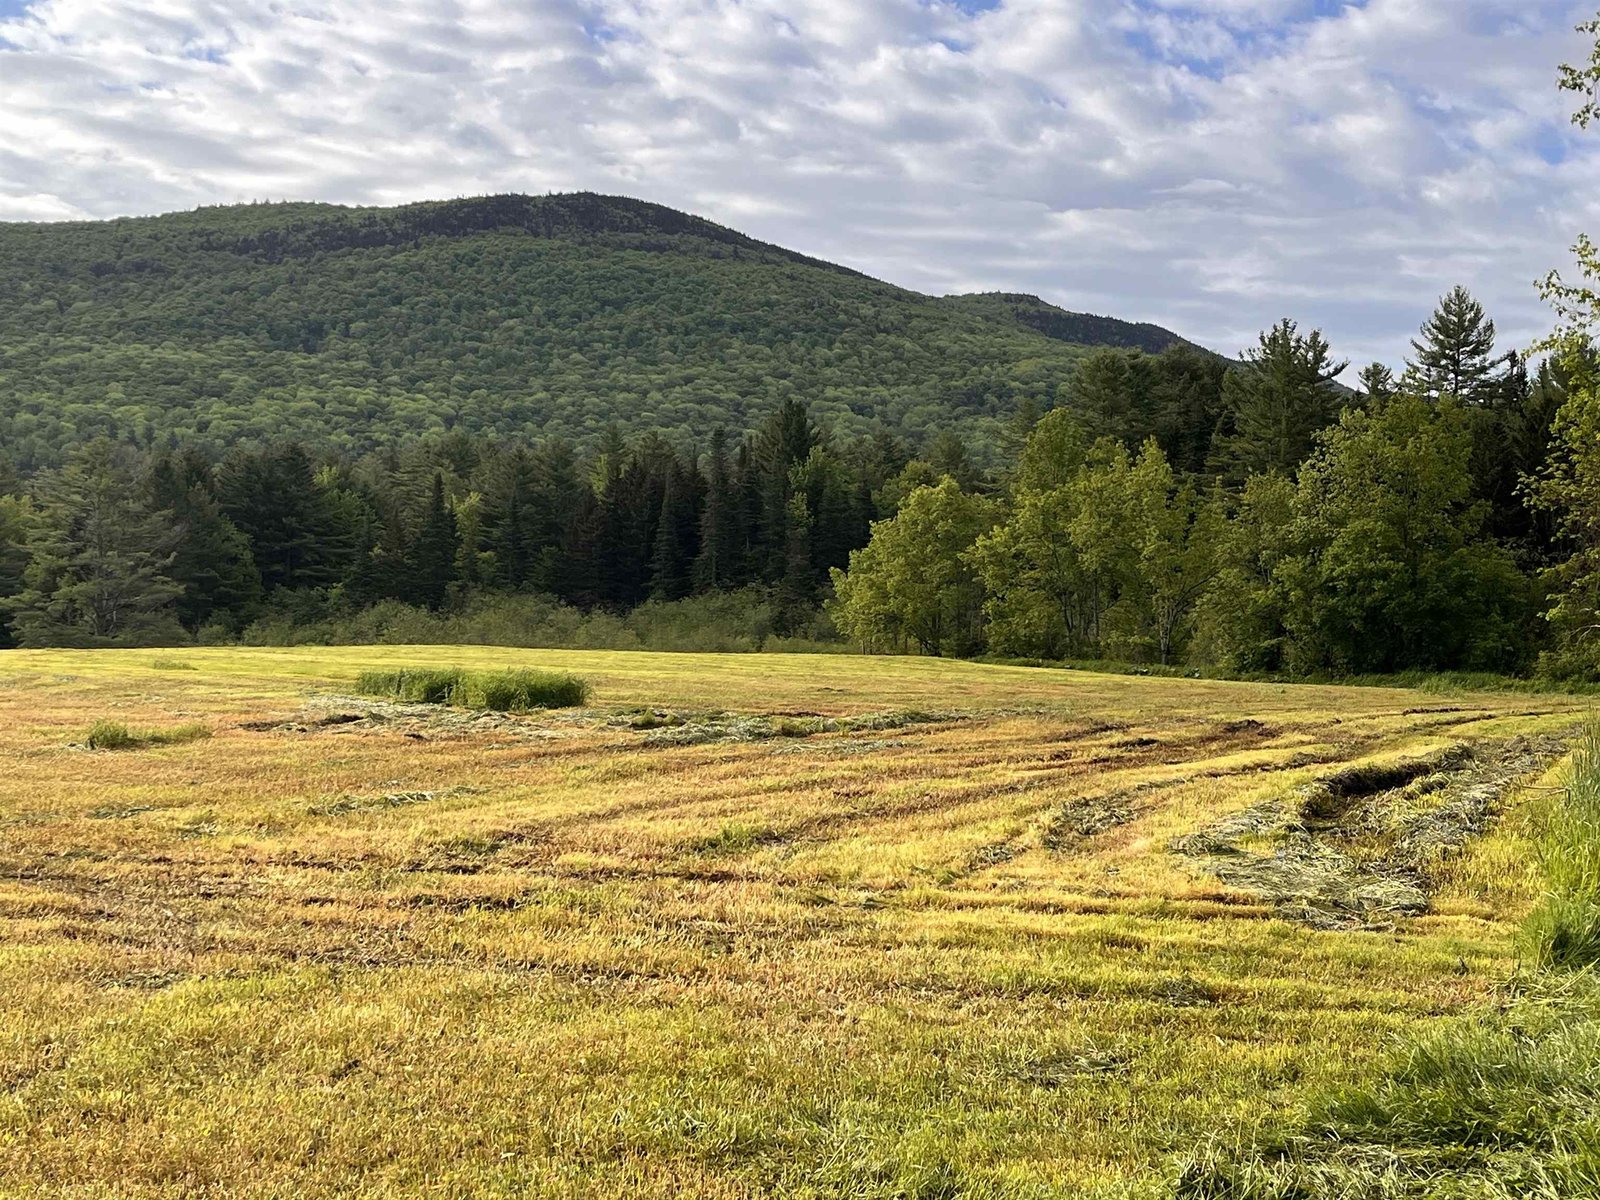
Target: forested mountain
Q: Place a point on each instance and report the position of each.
(1079, 329)
(355, 328)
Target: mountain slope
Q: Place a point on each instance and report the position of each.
(356, 327)
(1078, 329)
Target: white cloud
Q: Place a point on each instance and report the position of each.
(1210, 165)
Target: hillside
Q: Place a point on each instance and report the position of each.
(1079, 329)
(356, 327)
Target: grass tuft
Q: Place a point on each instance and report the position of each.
(173, 664)
(494, 691)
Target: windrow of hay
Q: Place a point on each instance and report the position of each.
(495, 691)
(1503, 1103)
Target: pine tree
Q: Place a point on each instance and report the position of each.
(1377, 383)
(1112, 392)
(1455, 353)
(433, 555)
(1186, 399)
(948, 456)
(670, 557)
(785, 440)
(212, 561)
(1279, 397)
(512, 519)
(718, 565)
(301, 534)
(98, 560)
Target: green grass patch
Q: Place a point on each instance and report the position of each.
(173, 664)
(494, 691)
(114, 735)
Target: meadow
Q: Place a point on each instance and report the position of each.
(740, 926)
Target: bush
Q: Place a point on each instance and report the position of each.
(497, 691)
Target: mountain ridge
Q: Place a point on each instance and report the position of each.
(552, 316)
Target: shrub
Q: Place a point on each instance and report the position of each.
(173, 664)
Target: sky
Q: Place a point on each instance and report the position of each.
(1210, 165)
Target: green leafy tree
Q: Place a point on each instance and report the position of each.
(913, 581)
(1566, 487)
(1053, 455)
(1241, 616)
(1039, 598)
(1391, 570)
(1176, 534)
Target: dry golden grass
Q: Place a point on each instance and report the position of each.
(882, 939)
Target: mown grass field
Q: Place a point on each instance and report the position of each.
(743, 926)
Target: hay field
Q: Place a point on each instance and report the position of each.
(744, 926)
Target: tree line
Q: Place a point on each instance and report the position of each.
(1171, 508)
(1427, 521)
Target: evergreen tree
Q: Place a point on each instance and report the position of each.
(1113, 393)
(433, 555)
(212, 561)
(1377, 383)
(1187, 405)
(1278, 398)
(1455, 353)
(797, 589)
(98, 560)
(17, 518)
(672, 555)
(947, 455)
(785, 441)
(301, 534)
(719, 563)
(512, 521)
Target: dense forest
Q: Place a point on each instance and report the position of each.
(549, 317)
(277, 425)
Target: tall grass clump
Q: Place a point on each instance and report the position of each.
(495, 691)
(1564, 931)
(114, 735)
(415, 686)
(521, 690)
